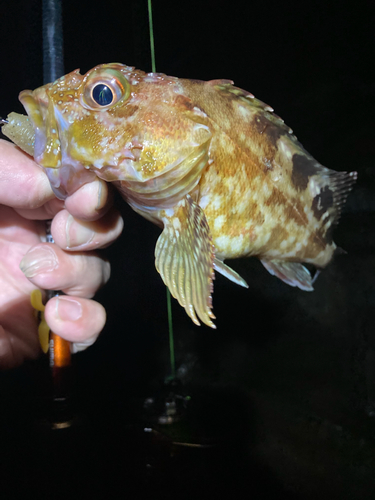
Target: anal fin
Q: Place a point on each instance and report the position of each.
(184, 257)
(292, 273)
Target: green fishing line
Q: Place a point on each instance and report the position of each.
(171, 339)
(169, 305)
(153, 65)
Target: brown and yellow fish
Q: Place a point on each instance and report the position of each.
(207, 161)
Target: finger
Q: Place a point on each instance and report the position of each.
(23, 184)
(74, 318)
(16, 348)
(17, 230)
(91, 201)
(79, 274)
(47, 211)
(74, 234)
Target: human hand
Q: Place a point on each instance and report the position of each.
(83, 223)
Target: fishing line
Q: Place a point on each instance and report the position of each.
(152, 45)
(169, 305)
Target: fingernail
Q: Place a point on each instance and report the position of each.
(81, 346)
(76, 233)
(101, 196)
(68, 309)
(39, 260)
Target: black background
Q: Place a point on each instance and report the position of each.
(293, 373)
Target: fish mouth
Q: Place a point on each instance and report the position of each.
(44, 116)
(51, 147)
(40, 109)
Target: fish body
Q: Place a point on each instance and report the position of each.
(207, 161)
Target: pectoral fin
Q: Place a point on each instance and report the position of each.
(292, 273)
(184, 257)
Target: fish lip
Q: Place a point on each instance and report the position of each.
(31, 106)
(37, 106)
(34, 106)
(34, 101)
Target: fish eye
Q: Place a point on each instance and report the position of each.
(102, 94)
(104, 88)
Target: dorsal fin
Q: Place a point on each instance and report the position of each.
(227, 87)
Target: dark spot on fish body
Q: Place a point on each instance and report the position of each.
(303, 169)
(326, 234)
(124, 111)
(183, 102)
(265, 127)
(322, 202)
(264, 136)
(267, 165)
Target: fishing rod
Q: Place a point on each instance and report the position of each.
(59, 348)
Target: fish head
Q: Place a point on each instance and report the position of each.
(114, 122)
(80, 124)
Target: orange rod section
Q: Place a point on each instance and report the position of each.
(60, 351)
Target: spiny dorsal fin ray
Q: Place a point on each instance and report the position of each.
(227, 87)
(184, 257)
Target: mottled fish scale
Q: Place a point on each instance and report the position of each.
(207, 161)
(272, 150)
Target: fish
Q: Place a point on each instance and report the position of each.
(213, 166)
